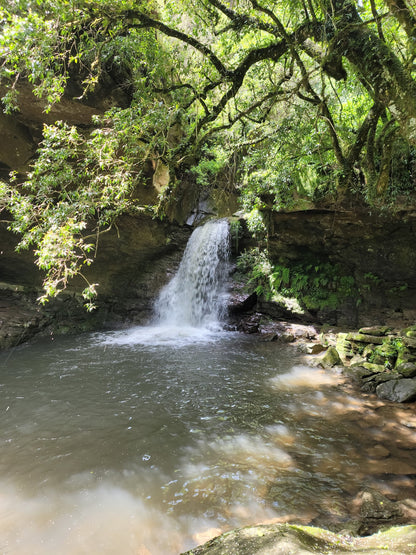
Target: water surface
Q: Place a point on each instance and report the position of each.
(152, 440)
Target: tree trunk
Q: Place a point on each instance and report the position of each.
(377, 64)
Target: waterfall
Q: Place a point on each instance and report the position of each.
(196, 295)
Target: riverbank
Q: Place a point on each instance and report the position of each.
(381, 517)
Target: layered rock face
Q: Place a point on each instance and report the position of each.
(377, 251)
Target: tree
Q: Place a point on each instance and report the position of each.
(310, 97)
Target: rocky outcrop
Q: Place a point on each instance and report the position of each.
(379, 359)
(278, 539)
(376, 250)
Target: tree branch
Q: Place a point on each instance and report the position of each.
(147, 21)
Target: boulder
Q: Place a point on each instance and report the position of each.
(364, 338)
(375, 330)
(279, 539)
(330, 359)
(398, 391)
(409, 342)
(356, 373)
(406, 369)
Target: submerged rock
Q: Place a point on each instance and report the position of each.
(279, 539)
(375, 510)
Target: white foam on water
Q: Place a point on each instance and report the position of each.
(162, 335)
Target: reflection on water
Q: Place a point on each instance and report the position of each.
(151, 441)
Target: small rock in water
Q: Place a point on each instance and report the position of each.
(314, 348)
(378, 452)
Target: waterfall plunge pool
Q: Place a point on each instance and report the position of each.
(126, 442)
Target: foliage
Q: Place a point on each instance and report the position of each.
(314, 100)
(75, 179)
(315, 286)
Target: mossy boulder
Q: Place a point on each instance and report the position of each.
(344, 347)
(278, 539)
(373, 368)
(406, 369)
(375, 330)
(330, 359)
(364, 338)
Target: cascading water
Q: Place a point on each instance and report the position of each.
(196, 295)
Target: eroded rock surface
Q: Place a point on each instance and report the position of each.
(281, 539)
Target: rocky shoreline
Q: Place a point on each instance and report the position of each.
(380, 359)
(381, 362)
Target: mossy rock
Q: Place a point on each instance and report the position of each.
(330, 359)
(410, 342)
(344, 347)
(277, 539)
(405, 356)
(374, 368)
(364, 338)
(409, 332)
(406, 369)
(375, 330)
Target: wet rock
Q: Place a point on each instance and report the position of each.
(398, 391)
(313, 348)
(250, 325)
(370, 383)
(241, 303)
(356, 373)
(287, 337)
(330, 359)
(268, 337)
(374, 509)
(280, 539)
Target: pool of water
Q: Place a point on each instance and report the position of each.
(152, 440)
